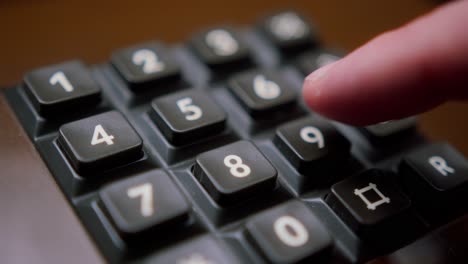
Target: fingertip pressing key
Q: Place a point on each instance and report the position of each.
(398, 74)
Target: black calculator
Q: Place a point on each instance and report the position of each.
(203, 152)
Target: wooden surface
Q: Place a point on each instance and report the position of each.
(41, 32)
(36, 223)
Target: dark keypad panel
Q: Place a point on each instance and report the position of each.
(61, 87)
(203, 152)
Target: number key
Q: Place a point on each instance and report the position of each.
(187, 116)
(289, 233)
(311, 144)
(144, 202)
(261, 92)
(311, 61)
(146, 65)
(235, 171)
(100, 142)
(66, 86)
(289, 31)
(206, 249)
(220, 48)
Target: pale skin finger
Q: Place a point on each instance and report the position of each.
(399, 73)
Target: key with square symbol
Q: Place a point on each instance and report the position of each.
(370, 202)
(220, 48)
(262, 92)
(235, 172)
(146, 65)
(312, 144)
(289, 233)
(437, 173)
(144, 202)
(100, 142)
(201, 250)
(289, 31)
(66, 86)
(187, 116)
(311, 61)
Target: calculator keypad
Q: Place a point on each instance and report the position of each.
(168, 161)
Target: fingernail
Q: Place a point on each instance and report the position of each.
(314, 78)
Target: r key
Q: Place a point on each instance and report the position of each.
(436, 174)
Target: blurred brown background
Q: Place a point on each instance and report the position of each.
(35, 33)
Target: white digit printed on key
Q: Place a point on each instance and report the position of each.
(237, 167)
(222, 42)
(145, 192)
(60, 78)
(312, 135)
(291, 231)
(149, 60)
(265, 89)
(101, 136)
(288, 26)
(192, 111)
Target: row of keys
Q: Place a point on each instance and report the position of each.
(106, 141)
(433, 176)
(371, 203)
(69, 85)
(289, 232)
(259, 92)
(239, 169)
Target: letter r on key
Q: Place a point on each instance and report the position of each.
(441, 165)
